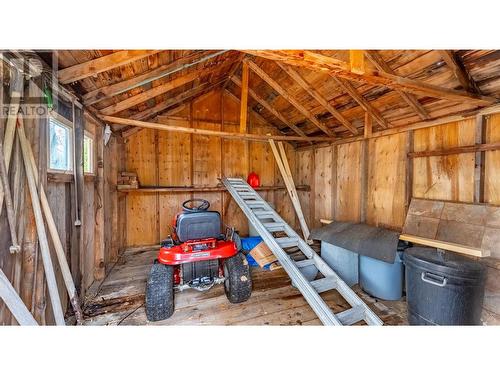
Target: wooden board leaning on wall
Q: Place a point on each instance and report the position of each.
(472, 229)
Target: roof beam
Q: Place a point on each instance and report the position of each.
(316, 95)
(152, 75)
(182, 129)
(341, 69)
(252, 112)
(233, 70)
(157, 90)
(269, 107)
(410, 99)
(365, 104)
(459, 71)
(164, 105)
(357, 61)
(101, 64)
(161, 107)
(284, 93)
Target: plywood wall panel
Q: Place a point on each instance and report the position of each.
(57, 197)
(88, 224)
(141, 210)
(323, 184)
(492, 162)
(348, 201)
(448, 177)
(207, 167)
(174, 169)
(386, 181)
(234, 160)
(305, 175)
(282, 200)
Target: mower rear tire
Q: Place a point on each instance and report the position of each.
(160, 292)
(238, 283)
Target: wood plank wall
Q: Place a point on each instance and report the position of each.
(339, 174)
(60, 194)
(163, 158)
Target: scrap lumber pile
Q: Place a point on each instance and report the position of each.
(264, 256)
(127, 180)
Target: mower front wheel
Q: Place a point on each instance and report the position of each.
(160, 292)
(238, 283)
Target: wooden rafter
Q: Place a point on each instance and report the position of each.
(285, 94)
(459, 71)
(316, 95)
(244, 98)
(182, 129)
(357, 61)
(270, 108)
(365, 104)
(152, 75)
(165, 108)
(368, 128)
(233, 70)
(158, 90)
(165, 105)
(255, 114)
(101, 64)
(341, 69)
(410, 99)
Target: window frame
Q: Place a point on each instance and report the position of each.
(89, 135)
(60, 120)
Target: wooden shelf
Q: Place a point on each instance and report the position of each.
(194, 189)
(457, 248)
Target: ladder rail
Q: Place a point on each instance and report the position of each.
(237, 186)
(312, 297)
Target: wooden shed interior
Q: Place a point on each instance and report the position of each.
(364, 132)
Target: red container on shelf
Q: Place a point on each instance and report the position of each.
(253, 180)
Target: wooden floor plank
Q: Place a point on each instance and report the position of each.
(120, 300)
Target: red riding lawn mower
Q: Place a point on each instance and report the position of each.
(198, 256)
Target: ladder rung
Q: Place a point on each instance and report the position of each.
(304, 263)
(274, 227)
(351, 316)
(255, 204)
(287, 241)
(324, 284)
(264, 214)
(247, 195)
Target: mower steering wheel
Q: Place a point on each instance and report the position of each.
(203, 206)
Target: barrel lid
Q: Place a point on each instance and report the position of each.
(445, 262)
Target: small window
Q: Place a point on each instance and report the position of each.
(88, 154)
(60, 146)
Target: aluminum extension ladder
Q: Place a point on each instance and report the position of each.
(266, 221)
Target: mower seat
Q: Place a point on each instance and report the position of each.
(198, 225)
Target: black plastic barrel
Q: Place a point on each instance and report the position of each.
(443, 288)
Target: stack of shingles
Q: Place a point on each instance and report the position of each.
(127, 180)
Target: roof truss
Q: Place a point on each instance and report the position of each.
(159, 90)
(139, 80)
(101, 64)
(410, 99)
(285, 94)
(341, 69)
(316, 95)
